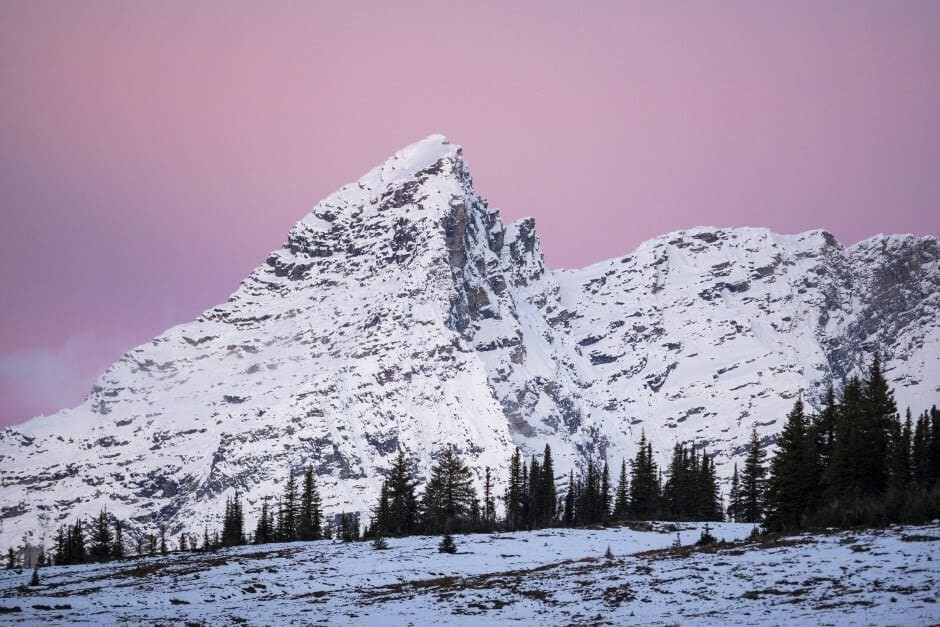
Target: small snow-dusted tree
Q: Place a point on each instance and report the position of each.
(447, 544)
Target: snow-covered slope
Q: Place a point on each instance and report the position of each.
(402, 312)
(551, 577)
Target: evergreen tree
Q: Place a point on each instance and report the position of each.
(449, 494)
(310, 523)
(622, 498)
(163, 548)
(535, 501)
(735, 506)
(548, 493)
(447, 544)
(753, 481)
(34, 580)
(263, 531)
(489, 502)
(514, 493)
(289, 511)
(402, 500)
(117, 548)
(570, 498)
(644, 482)
(233, 522)
(791, 470)
(101, 538)
(605, 495)
(11, 559)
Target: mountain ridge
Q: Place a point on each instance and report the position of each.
(402, 312)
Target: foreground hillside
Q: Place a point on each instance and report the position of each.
(550, 577)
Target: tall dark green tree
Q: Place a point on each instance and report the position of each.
(622, 495)
(449, 495)
(515, 493)
(735, 509)
(753, 481)
(791, 473)
(101, 538)
(548, 493)
(644, 482)
(310, 517)
(289, 513)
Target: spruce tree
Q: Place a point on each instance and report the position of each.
(263, 531)
(790, 474)
(101, 538)
(117, 548)
(622, 498)
(402, 500)
(606, 498)
(734, 497)
(489, 502)
(644, 482)
(289, 511)
(570, 499)
(514, 493)
(11, 559)
(449, 494)
(310, 522)
(548, 493)
(753, 481)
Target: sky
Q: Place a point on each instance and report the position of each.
(152, 154)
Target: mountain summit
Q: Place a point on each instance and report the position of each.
(402, 313)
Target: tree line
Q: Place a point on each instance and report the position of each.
(854, 463)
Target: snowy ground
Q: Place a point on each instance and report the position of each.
(551, 577)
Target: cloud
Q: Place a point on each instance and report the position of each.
(45, 380)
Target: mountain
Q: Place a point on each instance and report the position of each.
(402, 312)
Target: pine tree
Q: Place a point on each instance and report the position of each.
(447, 544)
(489, 502)
(735, 509)
(514, 493)
(644, 482)
(101, 538)
(34, 580)
(535, 515)
(163, 548)
(622, 498)
(117, 548)
(790, 474)
(570, 498)
(605, 496)
(11, 559)
(548, 493)
(753, 482)
(402, 500)
(449, 494)
(263, 531)
(288, 518)
(309, 526)
(233, 522)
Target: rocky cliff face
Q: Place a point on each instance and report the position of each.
(402, 312)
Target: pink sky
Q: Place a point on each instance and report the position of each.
(152, 154)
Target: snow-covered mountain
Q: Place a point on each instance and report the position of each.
(402, 312)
